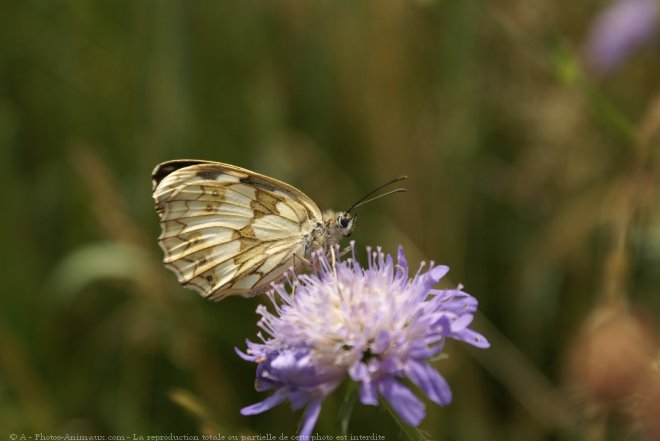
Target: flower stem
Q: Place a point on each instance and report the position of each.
(346, 407)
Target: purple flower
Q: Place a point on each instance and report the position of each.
(375, 325)
(619, 30)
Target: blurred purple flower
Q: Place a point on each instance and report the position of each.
(375, 326)
(619, 30)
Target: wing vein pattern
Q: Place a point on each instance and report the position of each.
(227, 230)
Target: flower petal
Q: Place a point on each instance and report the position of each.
(429, 381)
(474, 338)
(461, 323)
(243, 355)
(620, 29)
(266, 404)
(299, 398)
(438, 272)
(368, 394)
(402, 265)
(405, 403)
(359, 372)
(309, 418)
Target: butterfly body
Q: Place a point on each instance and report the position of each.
(227, 230)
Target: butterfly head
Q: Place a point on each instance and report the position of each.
(338, 224)
(342, 224)
(345, 222)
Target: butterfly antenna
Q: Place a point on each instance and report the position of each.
(365, 199)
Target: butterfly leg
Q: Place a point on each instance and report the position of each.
(303, 261)
(344, 252)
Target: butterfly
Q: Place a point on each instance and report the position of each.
(231, 231)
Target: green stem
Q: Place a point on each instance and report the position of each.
(346, 407)
(608, 111)
(568, 69)
(566, 66)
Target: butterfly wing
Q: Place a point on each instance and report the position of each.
(227, 230)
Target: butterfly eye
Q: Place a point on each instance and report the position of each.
(345, 223)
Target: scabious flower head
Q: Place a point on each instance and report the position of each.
(376, 326)
(622, 28)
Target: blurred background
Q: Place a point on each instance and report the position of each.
(529, 133)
